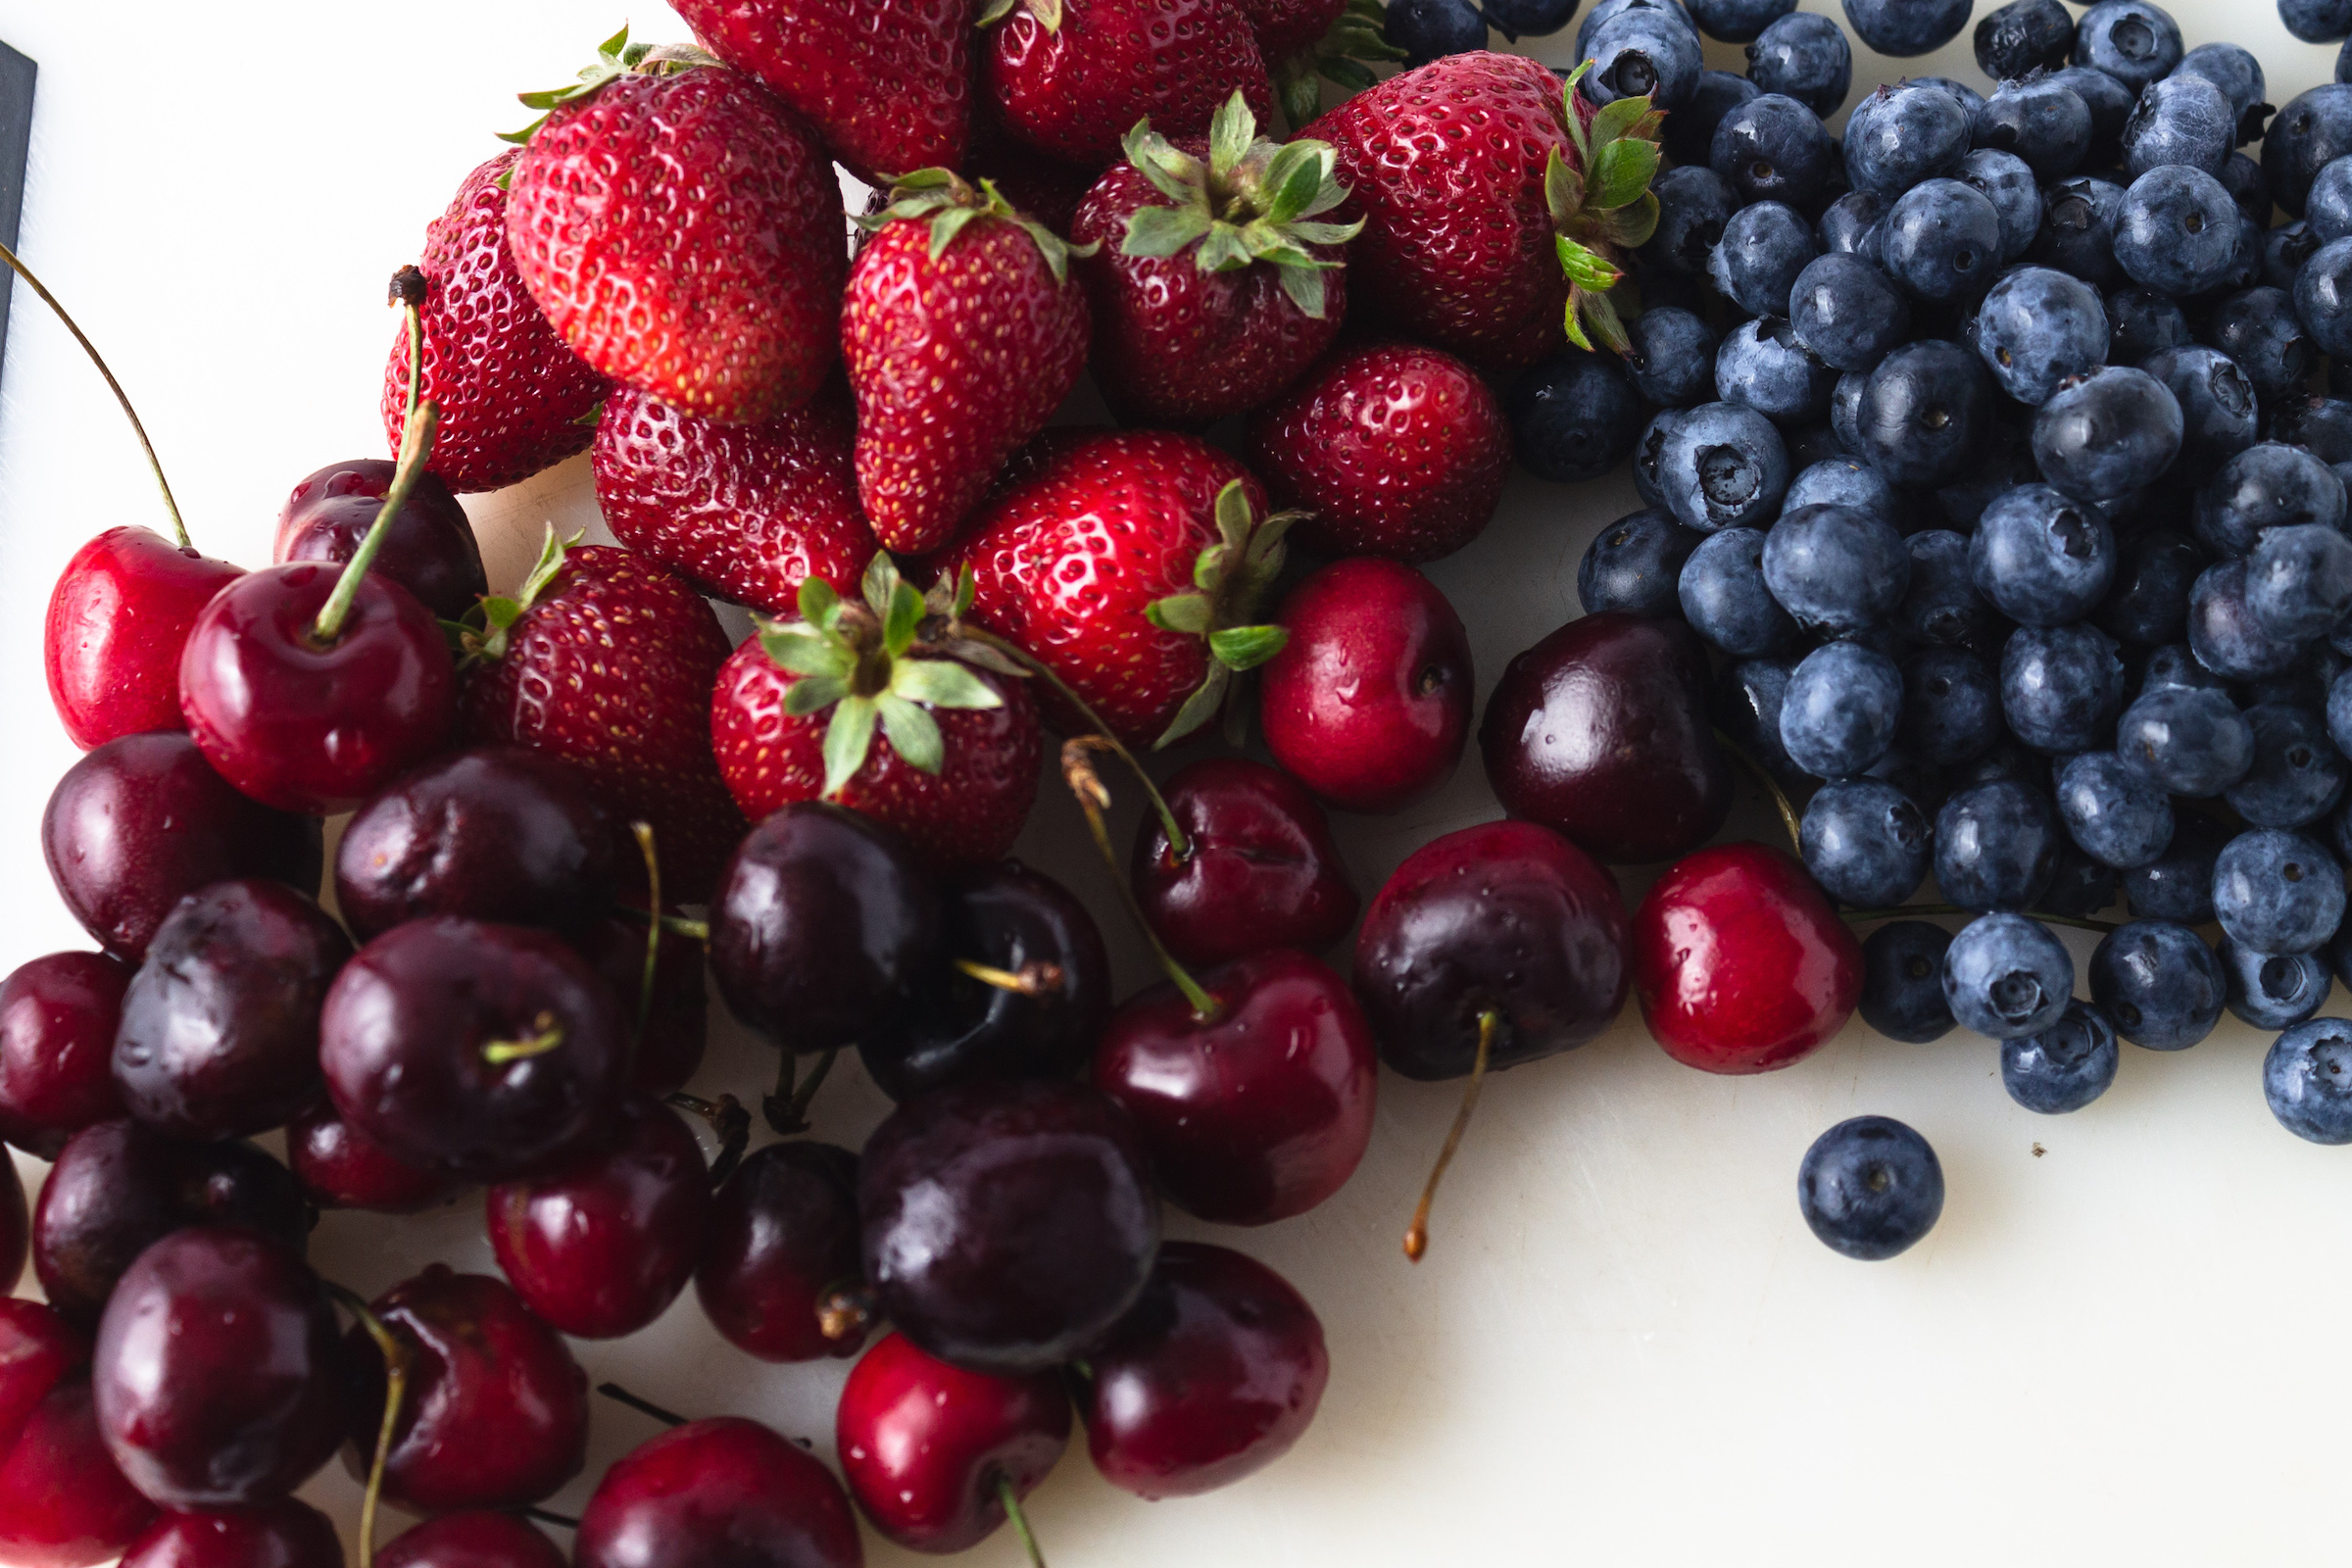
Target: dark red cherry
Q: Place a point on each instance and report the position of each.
(429, 549)
(669, 1046)
(929, 1449)
(285, 1534)
(58, 1017)
(1261, 869)
(1006, 1225)
(1369, 700)
(118, 619)
(219, 1370)
(497, 1409)
(1601, 732)
(724, 1493)
(220, 1033)
(143, 821)
(1258, 1112)
(474, 1049)
(64, 1503)
(1019, 923)
(340, 1167)
(1741, 961)
(306, 725)
(1213, 1376)
(824, 923)
(38, 1351)
(117, 1188)
(783, 1235)
(479, 1538)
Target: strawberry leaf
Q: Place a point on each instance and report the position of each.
(1600, 316)
(1200, 708)
(1575, 123)
(1630, 226)
(966, 586)
(1293, 178)
(1159, 231)
(1621, 172)
(993, 12)
(1208, 568)
(951, 221)
(942, 683)
(1586, 269)
(1187, 615)
(1564, 192)
(1616, 120)
(804, 649)
(905, 618)
(912, 734)
(1240, 648)
(1231, 132)
(848, 737)
(1305, 286)
(1233, 515)
(1221, 250)
(1327, 234)
(819, 603)
(814, 694)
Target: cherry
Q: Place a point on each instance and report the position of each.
(1741, 961)
(1601, 732)
(938, 1456)
(219, 1371)
(64, 1503)
(118, 619)
(220, 1033)
(39, 1349)
(495, 833)
(340, 1167)
(783, 1235)
(1213, 1376)
(724, 1492)
(676, 1026)
(495, 1414)
(15, 1225)
(1006, 1225)
(1368, 704)
(480, 1539)
(1025, 989)
(143, 821)
(473, 1050)
(117, 1187)
(285, 1534)
(58, 1017)
(429, 549)
(1259, 868)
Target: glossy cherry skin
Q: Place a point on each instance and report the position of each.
(63, 1503)
(1006, 1225)
(405, 1035)
(314, 727)
(1261, 869)
(143, 821)
(220, 1033)
(58, 1017)
(285, 1534)
(783, 1235)
(1508, 917)
(924, 1446)
(669, 1046)
(960, 1029)
(724, 1493)
(430, 549)
(1260, 1112)
(38, 1351)
(117, 1188)
(219, 1370)
(1368, 704)
(497, 1409)
(118, 619)
(495, 833)
(1601, 732)
(1741, 961)
(340, 1167)
(824, 923)
(479, 1538)
(1213, 1376)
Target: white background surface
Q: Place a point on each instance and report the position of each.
(2121, 1343)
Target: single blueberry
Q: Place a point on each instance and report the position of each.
(2004, 181)
(2131, 41)
(1574, 417)
(1805, 57)
(2160, 983)
(2307, 1078)
(2285, 250)
(2140, 324)
(1723, 466)
(1690, 132)
(2278, 892)
(2322, 426)
(1724, 597)
(1835, 570)
(1763, 365)
(1642, 54)
(1635, 565)
(2238, 75)
(2040, 558)
(1853, 225)
(1841, 711)
(2044, 125)
(1902, 982)
(2079, 219)
(2323, 297)
(2110, 104)
(1605, 11)
(2299, 581)
(1431, 30)
(2258, 328)
(2339, 711)
(1673, 358)
(1951, 707)
(1942, 605)
(1865, 843)
(2023, 36)
(2061, 686)
(1846, 312)
(2173, 664)
(2176, 231)
(1773, 148)
(2312, 131)
(2248, 187)
(1843, 482)
(1529, 18)
(1898, 136)
(2102, 435)
(1845, 412)
(2066, 1067)
(2268, 486)
(2186, 741)
(2182, 119)
(2218, 408)
(2224, 635)
(2005, 976)
(1923, 414)
(1968, 97)
(1906, 28)
(1944, 241)
(1649, 452)
(2327, 210)
(2298, 775)
(1737, 20)
(1996, 845)
(2317, 21)
(1869, 1188)
(2112, 812)
(2037, 327)
(1693, 207)
(2147, 600)
(2274, 989)
(1763, 249)
(1746, 702)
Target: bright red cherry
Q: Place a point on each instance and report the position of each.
(1369, 702)
(1740, 961)
(1261, 869)
(341, 1167)
(429, 550)
(285, 1534)
(1213, 1376)
(479, 1538)
(63, 1503)
(783, 1235)
(724, 1493)
(58, 1015)
(118, 619)
(934, 1453)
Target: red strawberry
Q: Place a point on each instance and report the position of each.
(1388, 450)
(1070, 77)
(793, 714)
(743, 512)
(684, 234)
(888, 83)
(605, 659)
(962, 332)
(512, 395)
(1213, 282)
(1129, 564)
(1487, 224)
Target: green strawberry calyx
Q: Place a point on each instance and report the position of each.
(615, 58)
(1229, 581)
(483, 634)
(1343, 57)
(1253, 201)
(950, 204)
(1046, 12)
(1608, 210)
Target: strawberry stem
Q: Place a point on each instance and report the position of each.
(417, 432)
(1078, 772)
(1417, 1235)
(396, 1387)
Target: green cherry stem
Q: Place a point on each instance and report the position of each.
(396, 1387)
(643, 833)
(1011, 1502)
(422, 422)
(1029, 980)
(1914, 910)
(1078, 772)
(1417, 1235)
(545, 1036)
(1771, 786)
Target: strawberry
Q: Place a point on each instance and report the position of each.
(606, 659)
(1214, 281)
(1129, 564)
(962, 332)
(683, 232)
(886, 82)
(743, 512)
(794, 715)
(1070, 77)
(513, 398)
(1495, 216)
(1389, 449)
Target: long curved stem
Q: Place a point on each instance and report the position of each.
(396, 1387)
(1078, 772)
(643, 832)
(416, 449)
(1011, 1501)
(1417, 1235)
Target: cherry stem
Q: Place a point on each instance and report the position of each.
(546, 1517)
(1912, 910)
(1029, 980)
(678, 925)
(620, 1395)
(787, 1110)
(547, 1034)
(1020, 1521)
(179, 528)
(644, 834)
(1772, 787)
(1078, 772)
(415, 448)
(396, 1387)
(845, 1314)
(730, 1120)
(1417, 1235)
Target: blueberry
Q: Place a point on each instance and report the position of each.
(1845, 412)
(1907, 28)
(1845, 311)
(2037, 327)
(1673, 359)
(1923, 413)
(2041, 558)
(2298, 775)
(1841, 711)
(2339, 711)
(2299, 581)
(2006, 977)
(2104, 434)
(2163, 987)
(2245, 263)
(1762, 365)
(1605, 11)
(2061, 686)
(1723, 466)
(1574, 417)
(2079, 888)
(1902, 982)
(1635, 565)
(1431, 30)
(1853, 225)
(2324, 298)
(2142, 324)
(2007, 762)
(1724, 597)
(1649, 451)
(1763, 249)
(1967, 97)
(2312, 131)
(2338, 956)
(2321, 425)
(1835, 570)
(1805, 57)
(1869, 1188)
(2176, 231)
(1690, 132)
(2268, 486)
(1844, 482)
(2023, 36)
(2272, 990)
(2307, 1078)
(2238, 75)
(2257, 327)
(1538, 19)
(1996, 845)
(1737, 20)
(1773, 148)
(1693, 207)
(1942, 605)
(1898, 136)
(2110, 104)
(2113, 812)
(1865, 843)
(2317, 21)
(1951, 707)
(2182, 119)
(2077, 230)
(1643, 53)
(2004, 179)
(2285, 250)
(2147, 600)
(2278, 892)
(1746, 702)
(2248, 187)
(2327, 210)
(2224, 635)
(2042, 124)
(2186, 741)
(2218, 408)
(2066, 1067)
(2131, 41)
(1943, 240)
